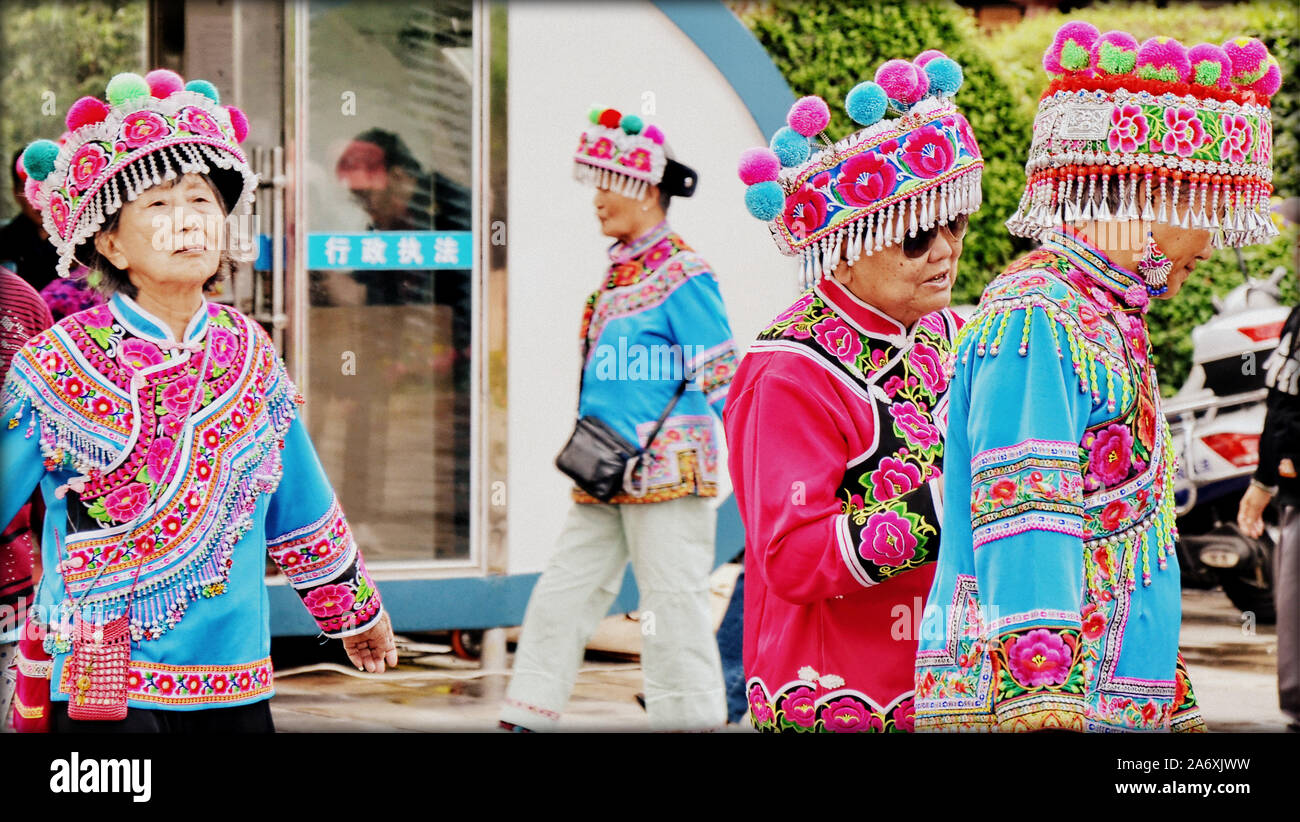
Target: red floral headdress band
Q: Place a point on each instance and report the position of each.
(890, 178)
(152, 129)
(1150, 126)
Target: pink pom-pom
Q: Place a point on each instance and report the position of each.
(1248, 57)
(163, 82)
(1114, 53)
(238, 122)
(18, 168)
(654, 133)
(922, 81)
(1270, 82)
(759, 165)
(86, 111)
(1071, 48)
(1209, 53)
(927, 55)
(809, 116)
(32, 191)
(1164, 58)
(900, 80)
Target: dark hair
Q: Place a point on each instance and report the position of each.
(114, 279)
(664, 199)
(396, 152)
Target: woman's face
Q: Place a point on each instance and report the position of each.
(1185, 248)
(622, 217)
(170, 235)
(904, 286)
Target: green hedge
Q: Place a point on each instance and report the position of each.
(826, 48)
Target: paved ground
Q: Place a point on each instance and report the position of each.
(1232, 672)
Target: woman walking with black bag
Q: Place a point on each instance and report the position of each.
(645, 452)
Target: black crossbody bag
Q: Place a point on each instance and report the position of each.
(598, 458)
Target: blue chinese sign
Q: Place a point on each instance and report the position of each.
(391, 250)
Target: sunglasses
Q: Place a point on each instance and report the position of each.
(919, 245)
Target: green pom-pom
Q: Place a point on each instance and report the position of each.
(94, 278)
(205, 88)
(1208, 73)
(1114, 60)
(1167, 74)
(631, 124)
(594, 115)
(1074, 56)
(38, 158)
(125, 86)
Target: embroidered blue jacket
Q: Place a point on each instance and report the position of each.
(1056, 601)
(169, 469)
(657, 318)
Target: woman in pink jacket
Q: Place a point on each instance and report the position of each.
(836, 416)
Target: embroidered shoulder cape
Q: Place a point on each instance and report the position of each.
(835, 430)
(165, 488)
(1056, 602)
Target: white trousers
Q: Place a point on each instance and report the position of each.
(671, 548)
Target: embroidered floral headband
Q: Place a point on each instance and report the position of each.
(890, 178)
(1149, 126)
(621, 153)
(152, 128)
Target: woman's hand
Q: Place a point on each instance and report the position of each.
(1250, 514)
(369, 651)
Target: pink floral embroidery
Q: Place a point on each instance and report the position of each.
(894, 478)
(638, 159)
(602, 149)
(847, 715)
(866, 178)
(58, 208)
(887, 539)
(800, 707)
(905, 716)
(916, 429)
(927, 152)
(179, 396)
(127, 502)
(160, 451)
(1185, 131)
(893, 385)
(837, 337)
(758, 707)
(1114, 514)
(1236, 138)
(143, 127)
(805, 212)
(927, 362)
(200, 122)
(1038, 658)
(329, 600)
(135, 354)
(1128, 128)
(967, 137)
(1094, 623)
(98, 317)
(87, 163)
(1112, 455)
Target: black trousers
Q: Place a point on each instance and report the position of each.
(241, 719)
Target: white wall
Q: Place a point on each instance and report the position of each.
(563, 59)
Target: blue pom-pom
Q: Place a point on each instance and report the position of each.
(205, 88)
(38, 158)
(631, 124)
(866, 103)
(945, 76)
(765, 200)
(790, 147)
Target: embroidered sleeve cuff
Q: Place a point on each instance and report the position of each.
(881, 544)
(1040, 682)
(323, 565)
(1031, 486)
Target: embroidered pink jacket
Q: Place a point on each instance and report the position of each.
(835, 429)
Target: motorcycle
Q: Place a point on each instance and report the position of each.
(1215, 420)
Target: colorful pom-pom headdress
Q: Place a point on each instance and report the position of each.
(152, 128)
(621, 153)
(890, 178)
(1148, 126)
